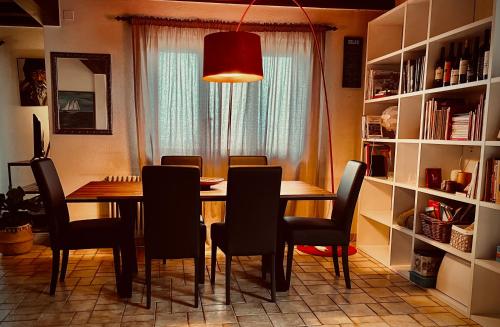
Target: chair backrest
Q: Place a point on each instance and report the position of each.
(53, 197)
(171, 221)
(252, 209)
(347, 195)
(183, 161)
(247, 161)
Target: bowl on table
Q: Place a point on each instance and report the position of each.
(207, 182)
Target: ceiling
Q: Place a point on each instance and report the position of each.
(31, 13)
(36, 13)
(325, 4)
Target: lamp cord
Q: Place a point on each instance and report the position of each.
(318, 51)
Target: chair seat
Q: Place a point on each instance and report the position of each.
(313, 231)
(92, 233)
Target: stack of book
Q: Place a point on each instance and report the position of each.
(492, 181)
(452, 119)
(413, 75)
(382, 83)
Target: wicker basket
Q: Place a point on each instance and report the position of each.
(461, 238)
(436, 229)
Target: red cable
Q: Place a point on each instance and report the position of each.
(316, 43)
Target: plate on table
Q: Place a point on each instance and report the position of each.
(207, 182)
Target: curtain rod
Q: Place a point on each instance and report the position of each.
(223, 25)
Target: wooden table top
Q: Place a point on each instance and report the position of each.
(102, 191)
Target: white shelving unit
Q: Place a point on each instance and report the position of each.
(422, 27)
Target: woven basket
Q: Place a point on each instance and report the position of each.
(461, 239)
(436, 229)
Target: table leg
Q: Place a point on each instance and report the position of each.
(281, 283)
(128, 214)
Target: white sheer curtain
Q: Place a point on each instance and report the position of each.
(180, 114)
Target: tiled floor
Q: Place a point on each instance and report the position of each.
(88, 297)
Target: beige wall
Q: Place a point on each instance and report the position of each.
(83, 158)
(16, 136)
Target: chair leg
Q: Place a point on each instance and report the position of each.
(148, 281)
(64, 265)
(196, 281)
(335, 257)
(345, 265)
(55, 270)
(228, 279)
(273, 278)
(202, 263)
(289, 263)
(164, 261)
(214, 263)
(116, 261)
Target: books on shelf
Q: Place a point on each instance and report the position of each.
(413, 75)
(382, 83)
(492, 181)
(377, 158)
(453, 119)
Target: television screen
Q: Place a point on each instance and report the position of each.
(37, 138)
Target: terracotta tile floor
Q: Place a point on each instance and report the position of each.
(87, 297)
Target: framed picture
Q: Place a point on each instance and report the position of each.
(373, 127)
(32, 81)
(76, 109)
(433, 178)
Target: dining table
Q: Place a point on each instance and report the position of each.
(128, 194)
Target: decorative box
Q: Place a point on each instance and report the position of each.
(461, 238)
(426, 262)
(423, 281)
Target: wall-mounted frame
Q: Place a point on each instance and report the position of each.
(81, 93)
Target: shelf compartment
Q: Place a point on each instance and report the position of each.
(416, 24)
(401, 248)
(409, 117)
(406, 163)
(471, 86)
(486, 287)
(449, 196)
(493, 121)
(389, 99)
(404, 200)
(386, 32)
(375, 201)
(383, 180)
(402, 229)
(490, 152)
(393, 58)
(488, 227)
(381, 253)
(491, 265)
(380, 216)
(450, 18)
(445, 247)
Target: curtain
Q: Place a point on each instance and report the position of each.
(281, 116)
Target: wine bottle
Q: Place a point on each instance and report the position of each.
(456, 66)
(486, 53)
(464, 63)
(448, 62)
(439, 70)
(472, 68)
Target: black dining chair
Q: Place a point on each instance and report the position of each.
(183, 161)
(247, 161)
(335, 231)
(68, 235)
(172, 227)
(250, 227)
(187, 161)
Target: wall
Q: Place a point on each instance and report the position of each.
(16, 132)
(83, 158)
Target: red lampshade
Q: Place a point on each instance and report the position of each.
(230, 57)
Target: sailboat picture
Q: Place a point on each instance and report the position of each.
(76, 109)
